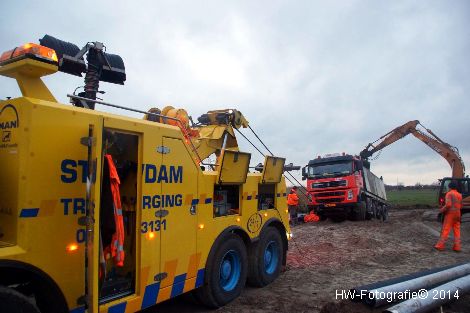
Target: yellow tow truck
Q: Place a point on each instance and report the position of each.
(106, 213)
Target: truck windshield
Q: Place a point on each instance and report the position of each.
(330, 169)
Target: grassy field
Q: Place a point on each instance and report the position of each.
(412, 197)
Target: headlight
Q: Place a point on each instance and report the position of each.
(350, 194)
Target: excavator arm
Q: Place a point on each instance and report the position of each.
(448, 152)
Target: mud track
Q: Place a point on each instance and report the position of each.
(325, 257)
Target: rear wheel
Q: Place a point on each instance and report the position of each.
(384, 213)
(371, 209)
(12, 301)
(265, 258)
(226, 272)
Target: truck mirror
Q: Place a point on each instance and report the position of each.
(304, 173)
(358, 165)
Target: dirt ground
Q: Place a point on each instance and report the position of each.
(327, 257)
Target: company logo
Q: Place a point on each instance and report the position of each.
(9, 121)
(254, 223)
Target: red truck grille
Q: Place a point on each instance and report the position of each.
(330, 200)
(329, 184)
(329, 196)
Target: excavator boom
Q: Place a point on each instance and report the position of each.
(448, 152)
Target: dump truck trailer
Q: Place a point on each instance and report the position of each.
(341, 186)
(101, 212)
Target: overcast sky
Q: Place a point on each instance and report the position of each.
(312, 77)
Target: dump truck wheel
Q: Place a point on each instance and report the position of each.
(226, 272)
(12, 301)
(265, 258)
(359, 212)
(384, 213)
(372, 210)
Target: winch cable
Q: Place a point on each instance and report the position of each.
(266, 147)
(303, 255)
(246, 138)
(254, 133)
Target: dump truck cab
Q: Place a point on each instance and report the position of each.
(341, 186)
(101, 212)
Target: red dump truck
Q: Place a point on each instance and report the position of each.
(341, 186)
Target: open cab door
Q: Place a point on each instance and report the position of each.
(233, 167)
(272, 169)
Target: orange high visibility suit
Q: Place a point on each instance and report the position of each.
(116, 249)
(451, 211)
(292, 203)
(292, 198)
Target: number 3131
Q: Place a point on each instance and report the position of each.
(152, 226)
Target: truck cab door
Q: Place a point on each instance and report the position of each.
(91, 220)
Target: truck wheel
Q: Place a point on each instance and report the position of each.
(12, 301)
(265, 258)
(226, 272)
(378, 212)
(384, 213)
(370, 212)
(320, 214)
(360, 211)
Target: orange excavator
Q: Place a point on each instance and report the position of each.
(447, 151)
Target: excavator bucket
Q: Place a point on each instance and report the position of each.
(233, 167)
(273, 169)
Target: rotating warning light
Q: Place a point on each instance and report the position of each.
(29, 50)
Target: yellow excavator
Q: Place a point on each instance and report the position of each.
(447, 151)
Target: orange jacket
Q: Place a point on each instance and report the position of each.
(292, 199)
(116, 248)
(453, 202)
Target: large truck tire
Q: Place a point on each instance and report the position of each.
(320, 213)
(384, 213)
(225, 273)
(265, 258)
(371, 209)
(12, 301)
(360, 211)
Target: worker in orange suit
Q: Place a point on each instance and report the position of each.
(451, 212)
(293, 203)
